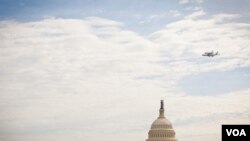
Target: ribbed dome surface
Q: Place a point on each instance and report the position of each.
(161, 123)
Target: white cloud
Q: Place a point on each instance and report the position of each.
(91, 79)
(64, 76)
(159, 16)
(154, 17)
(175, 13)
(190, 1)
(200, 1)
(224, 17)
(190, 37)
(196, 14)
(183, 1)
(210, 112)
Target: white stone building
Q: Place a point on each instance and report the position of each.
(161, 128)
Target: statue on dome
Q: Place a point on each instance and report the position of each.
(162, 104)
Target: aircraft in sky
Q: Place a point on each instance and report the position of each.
(210, 54)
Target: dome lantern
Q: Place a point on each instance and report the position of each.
(161, 111)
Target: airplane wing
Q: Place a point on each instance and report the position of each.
(205, 54)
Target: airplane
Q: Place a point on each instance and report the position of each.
(210, 54)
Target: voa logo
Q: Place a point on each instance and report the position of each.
(236, 132)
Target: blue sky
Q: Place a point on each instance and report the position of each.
(215, 83)
(136, 15)
(96, 70)
(129, 12)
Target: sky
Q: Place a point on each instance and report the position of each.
(96, 70)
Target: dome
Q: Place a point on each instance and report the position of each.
(161, 128)
(161, 123)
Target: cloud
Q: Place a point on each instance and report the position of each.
(175, 13)
(67, 79)
(191, 36)
(216, 110)
(197, 8)
(196, 14)
(190, 1)
(66, 76)
(163, 15)
(184, 1)
(156, 17)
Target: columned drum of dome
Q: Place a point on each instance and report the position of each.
(161, 128)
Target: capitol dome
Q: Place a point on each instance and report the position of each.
(161, 128)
